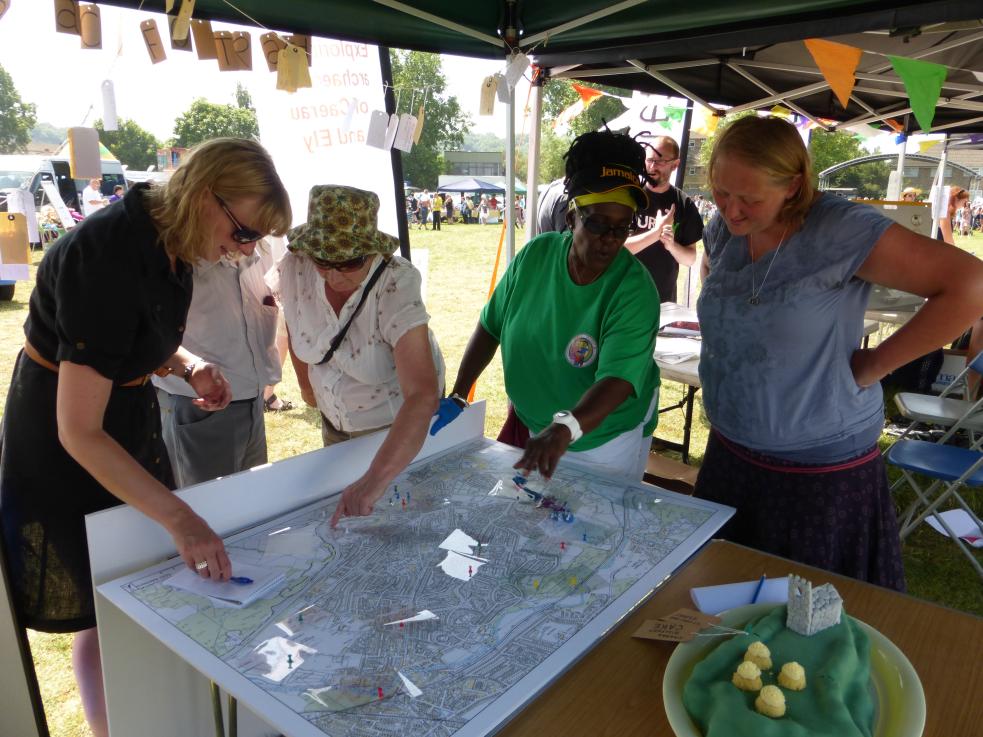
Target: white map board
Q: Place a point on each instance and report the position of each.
(312, 657)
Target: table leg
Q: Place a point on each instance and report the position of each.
(688, 427)
(217, 710)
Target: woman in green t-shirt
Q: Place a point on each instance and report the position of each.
(576, 316)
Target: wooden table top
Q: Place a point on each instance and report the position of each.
(616, 689)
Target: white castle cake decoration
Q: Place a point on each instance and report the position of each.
(811, 610)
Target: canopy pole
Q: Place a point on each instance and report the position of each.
(683, 143)
(939, 183)
(532, 170)
(399, 190)
(510, 178)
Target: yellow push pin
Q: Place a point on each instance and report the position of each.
(535, 584)
(573, 581)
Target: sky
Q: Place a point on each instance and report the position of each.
(65, 82)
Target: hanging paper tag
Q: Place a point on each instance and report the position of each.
(234, 51)
(292, 73)
(178, 45)
(378, 123)
(517, 66)
(405, 133)
(151, 37)
(486, 106)
(4, 6)
(15, 248)
(179, 31)
(168, 6)
(83, 157)
(109, 122)
(391, 128)
(502, 89)
(419, 126)
(90, 25)
(67, 18)
(272, 45)
(204, 39)
(303, 42)
(22, 201)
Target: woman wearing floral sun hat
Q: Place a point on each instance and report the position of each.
(359, 340)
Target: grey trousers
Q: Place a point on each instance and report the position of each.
(205, 445)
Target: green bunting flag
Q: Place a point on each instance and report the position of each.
(923, 82)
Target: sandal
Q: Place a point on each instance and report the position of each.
(285, 404)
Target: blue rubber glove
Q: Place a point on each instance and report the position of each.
(446, 413)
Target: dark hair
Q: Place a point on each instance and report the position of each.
(590, 151)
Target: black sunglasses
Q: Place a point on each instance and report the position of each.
(241, 234)
(602, 229)
(352, 264)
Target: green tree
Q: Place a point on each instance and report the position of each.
(17, 117)
(559, 94)
(47, 133)
(205, 120)
(551, 150)
(243, 99)
(419, 78)
(830, 148)
(482, 142)
(132, 145)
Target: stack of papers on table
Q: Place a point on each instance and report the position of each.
(676, 350)
(716, 599)
(228, 593)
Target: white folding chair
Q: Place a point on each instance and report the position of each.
(952, 468)
(945, 410)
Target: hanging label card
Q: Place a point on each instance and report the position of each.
(181, 25)
(486, 106)
(502, 89)
(14, 245)
(378, 123)
(204, 39)
(391, 129)
(405, 133)
(292, 73)
(168, 6)
(22, 201)
(151, 37)
(234, 51)
(303, 42)
(83, 157)
(272, 45)
(242, 46)
(90, 24)
(109, 121)
(517, 66)
(178, 45)
(419, 126)
(664, 629)
(67, 18)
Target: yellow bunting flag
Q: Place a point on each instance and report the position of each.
(924, 146)
(90, 25)
(781, 112)
(923, 82)
(67, 18)
(179, 31)
(151, 37)
(204, 39)
(838, 63)
(291, 69)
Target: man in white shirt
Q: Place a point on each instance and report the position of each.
(232, 322)
(92, 198)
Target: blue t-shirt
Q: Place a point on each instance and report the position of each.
(776, 376)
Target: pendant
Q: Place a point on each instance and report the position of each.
(754, 300)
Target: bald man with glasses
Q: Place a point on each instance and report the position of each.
(666, 232)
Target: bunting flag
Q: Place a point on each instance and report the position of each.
(923, 82)
(588, 95)
(838, 63)
(781, 112)
(893, 125)
(924, 146)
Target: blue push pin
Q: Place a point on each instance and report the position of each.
(568, 517)
(290, 661)
(585, 537)
(407, 496)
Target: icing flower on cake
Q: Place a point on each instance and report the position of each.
(759, 654)
(770, 702)
(747, 677)
(792, 677)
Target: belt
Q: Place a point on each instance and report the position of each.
(40, 360)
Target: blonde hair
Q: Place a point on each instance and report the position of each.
(774, 147)
(232, 168)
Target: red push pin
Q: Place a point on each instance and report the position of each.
(563, 546)
(404, 504)
(469, 571)
(380, 692)
(401, 625)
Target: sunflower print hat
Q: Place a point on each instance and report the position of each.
(341, 225)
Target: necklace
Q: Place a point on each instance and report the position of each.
(755, 298)
(576, 271)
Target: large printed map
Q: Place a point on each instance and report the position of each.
(445, 610)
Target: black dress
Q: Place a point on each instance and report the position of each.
(105, 297)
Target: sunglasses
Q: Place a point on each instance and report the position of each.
(352, 264)
(241, 235)
(598, 228)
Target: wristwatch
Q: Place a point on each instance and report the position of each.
(566, 418)
(459, 400)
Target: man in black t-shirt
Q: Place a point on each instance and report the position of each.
(665, 233)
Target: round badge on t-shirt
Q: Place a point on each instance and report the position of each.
(582, 351)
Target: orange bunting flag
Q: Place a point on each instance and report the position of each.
(587, 96)
(893, 125)
(837, 62)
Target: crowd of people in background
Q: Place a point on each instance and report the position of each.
(429, 211)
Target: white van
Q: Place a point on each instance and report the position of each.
(25, 171)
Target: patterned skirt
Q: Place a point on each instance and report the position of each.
(836, 517)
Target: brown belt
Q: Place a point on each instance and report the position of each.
(40, 360)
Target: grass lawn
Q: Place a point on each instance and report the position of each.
(461, 262)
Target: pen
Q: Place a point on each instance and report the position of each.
(757, 591)
(241, 580)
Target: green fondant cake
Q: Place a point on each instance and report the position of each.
(836, 702)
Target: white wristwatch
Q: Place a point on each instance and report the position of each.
(564, 417)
